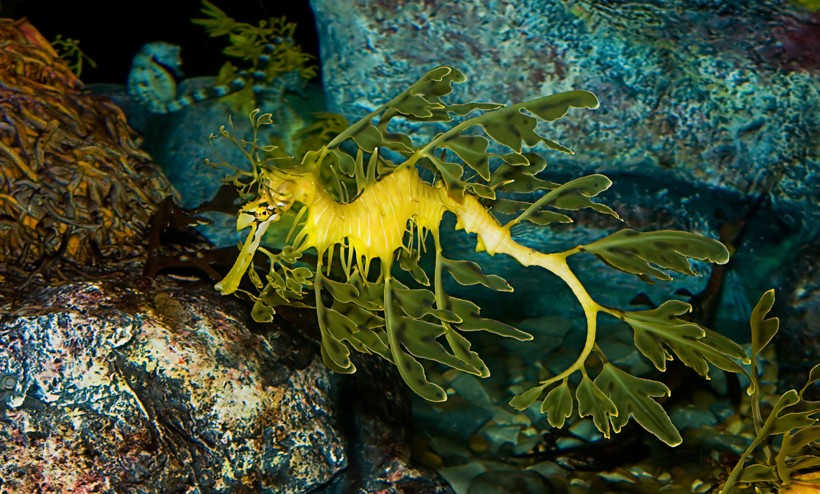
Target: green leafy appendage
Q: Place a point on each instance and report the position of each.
(346, 201)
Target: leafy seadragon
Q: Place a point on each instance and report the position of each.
(361, 305)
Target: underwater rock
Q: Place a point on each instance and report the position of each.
(107, 386)
(706, 124)
(510, 482)
(76, 186)
(707, 91)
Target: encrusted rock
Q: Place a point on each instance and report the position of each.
(163, 387)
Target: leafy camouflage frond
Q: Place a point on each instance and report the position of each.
(642, 253)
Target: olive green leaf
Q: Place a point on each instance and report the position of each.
(481, 190)
(410, 369)
(758, 473)
(435, 83)
(451, 173)
(511, 178)
(461, 349)
(409, 261)
(510, 127)
(398, 142)
(573, 195)
(368, 138)
(462, 109)
(415, 106)
(657, 330)
(556, 106)
(524, 400)
(335, 354)
(763, 330)
(343, 292)
(417, 303)
(592, 401)
(542, 217)
(469, 273)
(473, 150)
(262, 312)
(634, 398)
(347, 164)
(420, 339)
(789, 413)
(471, 321)
(558, 404)
(643, 253)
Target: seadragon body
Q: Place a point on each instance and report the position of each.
(395, 209)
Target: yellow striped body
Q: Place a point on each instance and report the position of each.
(375, 222)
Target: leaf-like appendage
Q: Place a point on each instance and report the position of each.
(461, 349)
(661, 328)
(558, 405)
(510, 127)
(471, 321)
(763, 330)
(573, 195)
(473, 150)
(758, 473)
(368, 138)
(451, 173)
(542, 217)
(409, 261)
(524, 400)
(418, 303)
(346, 163)
(514, 179)
(639, 253)
(576, 194)
(410, 369)
(343, 292)
(469, 273)
(420, 339)
(592, 401)
(634, 398)
(556, 106)
(335, 353)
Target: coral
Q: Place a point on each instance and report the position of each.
(362, 200)
(76, 187)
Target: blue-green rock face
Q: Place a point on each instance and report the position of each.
(706, 121)
(708, 91)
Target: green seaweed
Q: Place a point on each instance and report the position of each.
(789, 435)
(287, 65)
(69, 50)
(487, 151)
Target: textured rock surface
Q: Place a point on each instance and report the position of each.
(722, 94)
(75, 185)
(705, 107)
(110, 387)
